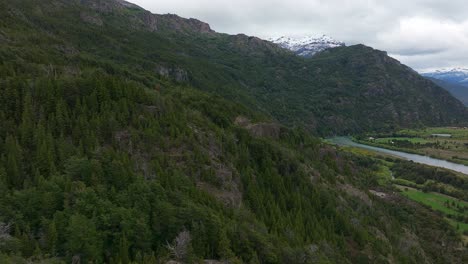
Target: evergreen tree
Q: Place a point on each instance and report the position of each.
(123, 250)
(27, 123)
(224, 247)
(52, 237)
(14, 164)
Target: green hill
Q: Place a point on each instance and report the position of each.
(132, 138)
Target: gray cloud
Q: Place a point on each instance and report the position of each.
(421, 33)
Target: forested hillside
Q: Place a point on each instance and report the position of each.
(345, 90)
(110, 153)
(102, 169)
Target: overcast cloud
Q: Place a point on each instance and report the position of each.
(424, 34)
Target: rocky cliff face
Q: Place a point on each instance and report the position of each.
(383, 92)
(140, 18)
(176, 23)
(173, 73)
(106, 6)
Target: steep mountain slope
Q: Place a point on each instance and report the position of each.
(458, 91)
(371, 89)
(110, 153)
(307, 46)
(324, 93)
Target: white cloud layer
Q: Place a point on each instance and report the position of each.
(421, 33)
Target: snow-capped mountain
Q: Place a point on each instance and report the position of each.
(307, 46)
(455, 75)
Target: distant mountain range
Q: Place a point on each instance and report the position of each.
(453, 80)
(455, 75)
(307, 46)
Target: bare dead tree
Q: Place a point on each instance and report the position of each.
(4, 232)
(76, 259)
(4, 229)
(180, 247)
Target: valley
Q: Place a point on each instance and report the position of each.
(418, 158)
(445, 192)
(447, 143)
(128, 137)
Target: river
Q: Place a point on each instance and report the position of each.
(345, 141)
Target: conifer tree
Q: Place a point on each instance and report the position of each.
(27, 122)
(224, 247)
(52, 237)
(13, 162)
(123, 250)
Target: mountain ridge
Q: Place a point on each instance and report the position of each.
(143, 18)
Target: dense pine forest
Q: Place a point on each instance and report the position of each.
(103, 162)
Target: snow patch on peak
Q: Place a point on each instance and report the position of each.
(445, 70)
(457, 75)
(307, 46)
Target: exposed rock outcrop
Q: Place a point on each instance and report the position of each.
(142, 19)
(103, 6)
(91, 19)
(149, 20)
(174, 73)
(355, 192)
(269, 130)
(176, 23)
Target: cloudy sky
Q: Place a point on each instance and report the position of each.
(424, 34)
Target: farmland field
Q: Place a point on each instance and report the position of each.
(447, 143)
